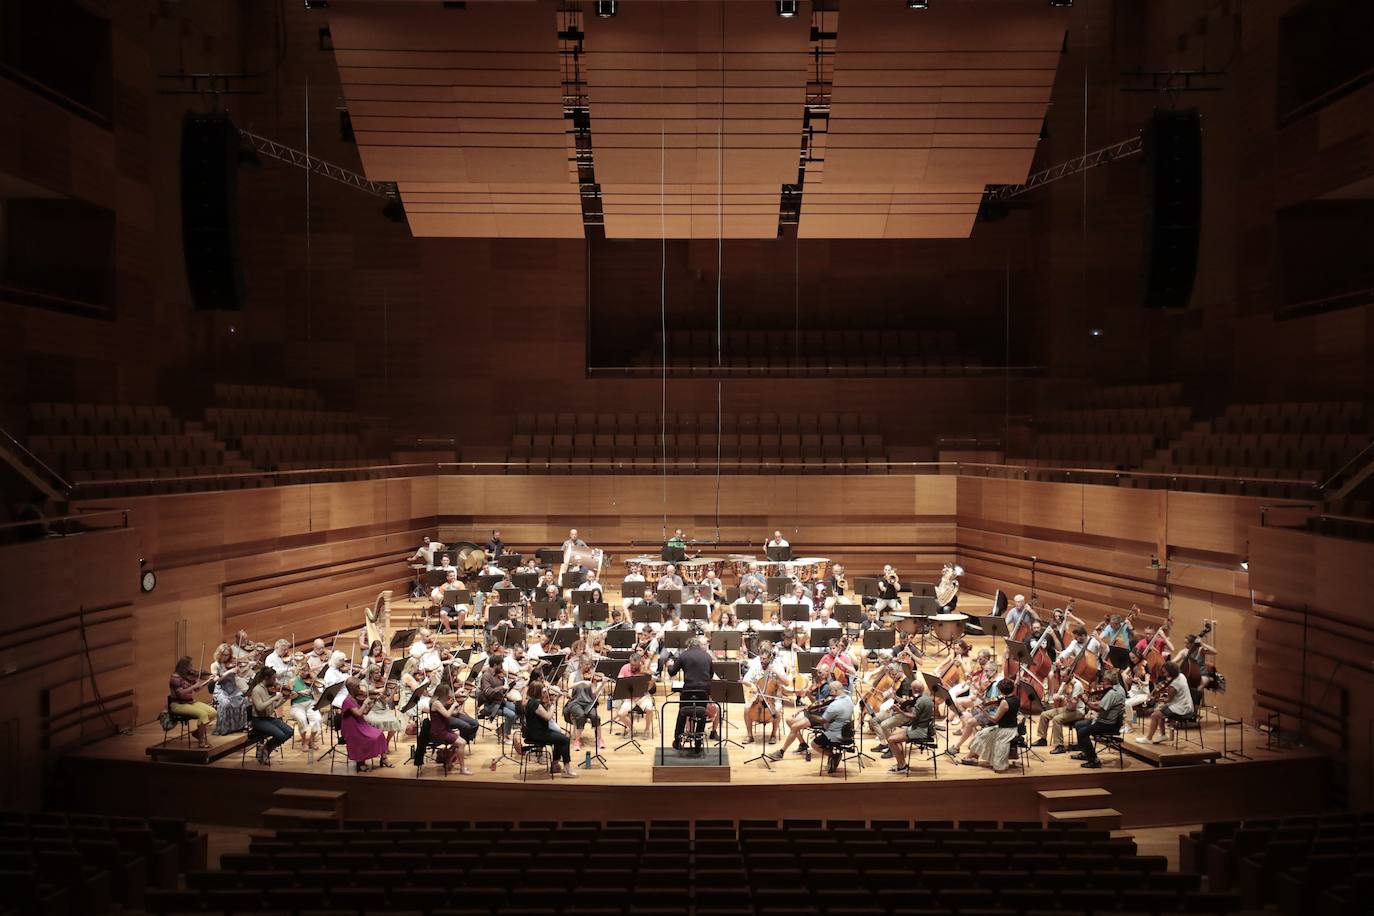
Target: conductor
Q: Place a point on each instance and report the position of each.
(695, 664)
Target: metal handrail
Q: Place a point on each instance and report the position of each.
(51, 522)
(1326, 485)
(36, 460)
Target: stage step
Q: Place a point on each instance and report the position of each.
(1052, 800)
(295, 817)
(311, 799)
(1102, 818)
(176, 751)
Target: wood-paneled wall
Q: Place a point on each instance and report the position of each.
(1313, 641)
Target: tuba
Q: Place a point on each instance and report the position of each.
(948, 586)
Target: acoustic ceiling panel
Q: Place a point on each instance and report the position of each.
(704, 99)
(463, 99)
(938, 102)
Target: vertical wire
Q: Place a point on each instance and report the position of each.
(662, 287)
(720, 248)
(1083, 228)
(309, 305)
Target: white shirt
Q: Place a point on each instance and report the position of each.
(510, 665)
(1182, 704)
(634, 577)
(277, 663)
(778, 542)
(427, 551)
(588, 586)
(333, 675)
(753, 672)
(418, 648)
(1075, 700)
(1072, 650)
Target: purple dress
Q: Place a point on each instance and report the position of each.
(364, 741)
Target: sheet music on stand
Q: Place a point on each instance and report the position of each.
(632, 589)
(620, 639)
(794, 613)
(647, 613)
(511, 636)
(695, 611)
(747, 612)
(726, 640)
(676, 639)
(592, 612)
(821, 636)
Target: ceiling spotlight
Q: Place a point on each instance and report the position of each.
(1245, 565)
(918, 4)
(1061, 4)
(787, 9)
(605, 9)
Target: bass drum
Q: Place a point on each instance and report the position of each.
(468, 557)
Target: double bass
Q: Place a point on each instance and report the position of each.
(763, 711)
(1191, 666)
(1154, 655)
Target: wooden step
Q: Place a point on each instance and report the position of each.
(177, 751)
(1101, 818)
(313, 799)
(295, 817)
(1067, 799)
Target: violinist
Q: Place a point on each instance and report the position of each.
(243, 647)
(280, 660)
(823, 690)
(265, 721)
(758, 670)
(336, 670)
(375, 654)
(584, 703)
(1067, 709)
(920, 727)
(302, 708)
(1176, 703)
(542, 729)
(228, 690)
(1108, 712)
(317, 657)
(443, 709)
(384, 695)
(694, 663)
(491, 690)
(362, 740)
(992, 744)
(181, 699)
(647, 644)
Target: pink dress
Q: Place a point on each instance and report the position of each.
(364, 741)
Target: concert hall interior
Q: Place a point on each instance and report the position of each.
(579, 456)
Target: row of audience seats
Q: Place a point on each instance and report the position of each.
(717, 867)
(268, 397)
(127, 456)
(1161, 423)
(297, 452)
(70, 863)
(1074, 450)
(1130, 396)
(1306, 865)
(702, 344)
(101, 419)
(573, 424)
(231, 423)
(1319, 418)
(1306, 456)
(686, 446)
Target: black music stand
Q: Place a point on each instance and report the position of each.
(779, 554)
(673, 554)
(512, 636)
(326, 701)
(486, 583)
(497, 613)
(394, 674)
(509, 560)
(670, 597)
(592, 612)
(526, 581)
(1119, 656)
(995, 627)
(876, 639)
(620, 639)
(1016, 651)
(726, 640)
(848, 614)
(632, 688)
(647, 613)
(543, 610)
(747, 612)
(564, 637)
(695, 611)
(403, 638)
(456, 596)
(632, 589)
(821, 636)
(777, 586)
(724, 693)
(609, 667)
(548, 555)
(794, 613)
(572, 578)
(511, 595)
(999, 603)
(866, 587)
(676, 639)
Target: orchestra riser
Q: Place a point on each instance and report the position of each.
(113, 777)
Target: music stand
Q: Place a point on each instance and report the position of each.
(486, 583)
(510, 595)
(821, 636)
(731, 594)
(512, 636)
(1119, 656)
(794, 613)
(455, 596)
(995, 627)
(724, 693)
(572, 578)
(593, 612)
(396, 668)
(543, 610)
(923, 589)
(547, 555)
(526, 581)
(676, 639)
(777, 586)
(924, 605)
(695, 611)
(632, 688)
(632, 589)
(670, 597)
(781, 554)
(673, 554)
(435, 577)
(564, 637)
(848, 614)
(747, 612)
(876, 639)
(726, 640)
(403, 638)
(999, 604)
(497, 613)
(509, 560)
(647, 613)
(623, 638)
(609, 667)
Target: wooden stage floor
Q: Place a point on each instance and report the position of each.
(116, 776)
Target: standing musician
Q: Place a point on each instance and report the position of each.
(495, 546)
(1113, 627)
(266, 697)
(569, 543)
(228, 690)
(1108, 712)
(1067, 709)
(1176, 700)
(1018, 610)
(822, 692)
(947, 589)
(677, 542)
(889, 591)
(694, 662)
(838, 713)
(755, 673)
(181, 699)
(425, 553)
(920, 726)
(1153, 639)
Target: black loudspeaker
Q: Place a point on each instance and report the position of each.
(210, 211)
(1172, 149)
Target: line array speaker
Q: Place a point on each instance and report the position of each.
(1172, 151)
(209, 210)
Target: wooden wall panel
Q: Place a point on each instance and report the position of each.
(1218, 524)
(1125, 514)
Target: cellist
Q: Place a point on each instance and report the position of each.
(769, 679)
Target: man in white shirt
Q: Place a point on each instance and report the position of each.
(317, 658)
(278, 661)
(760, 665)
(777, 540)
(425, 553)
(669, 579)
(589, 583)
(1082, 641)
(1178, 706)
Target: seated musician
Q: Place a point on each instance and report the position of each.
(1051, 639)
(836, 581)
(870, 621)
(726, 619)
(837, 659)
(1153, 639)
(838, 713)
(713, 587)
(438, 596)
(589, 582)
(647, 642)
(1017, 612)
(554, 595)
(584, 703)
(919, 710)
(992, 744)
(181, 699)
(336, 671)
(317, 657)
(633, 576)
(669, 579)
(761, 665)
(266, 697)
(546, 580)
(541, 728)
(1107, 713)
(445, 567)
(491, 689)
(1176, 704)
(302, 708)
(1082, 641)
(887, 722)
(1135, 682)
(444, 711)
(242, 647)
(618, 621)
(504, 581)
(777, 540)
(751, 594)
(279, 660)
(624, 716)
(807, 716)
(426, 649)
(1066, 708)
(889, 591)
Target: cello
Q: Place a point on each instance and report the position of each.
(763, 711)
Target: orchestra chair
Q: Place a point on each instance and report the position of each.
(1191, 723)
(930, 747)
(424, 743)
(1111, 743)
(252, 740)
(538, 752)
(175, 722)
(847, 750)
